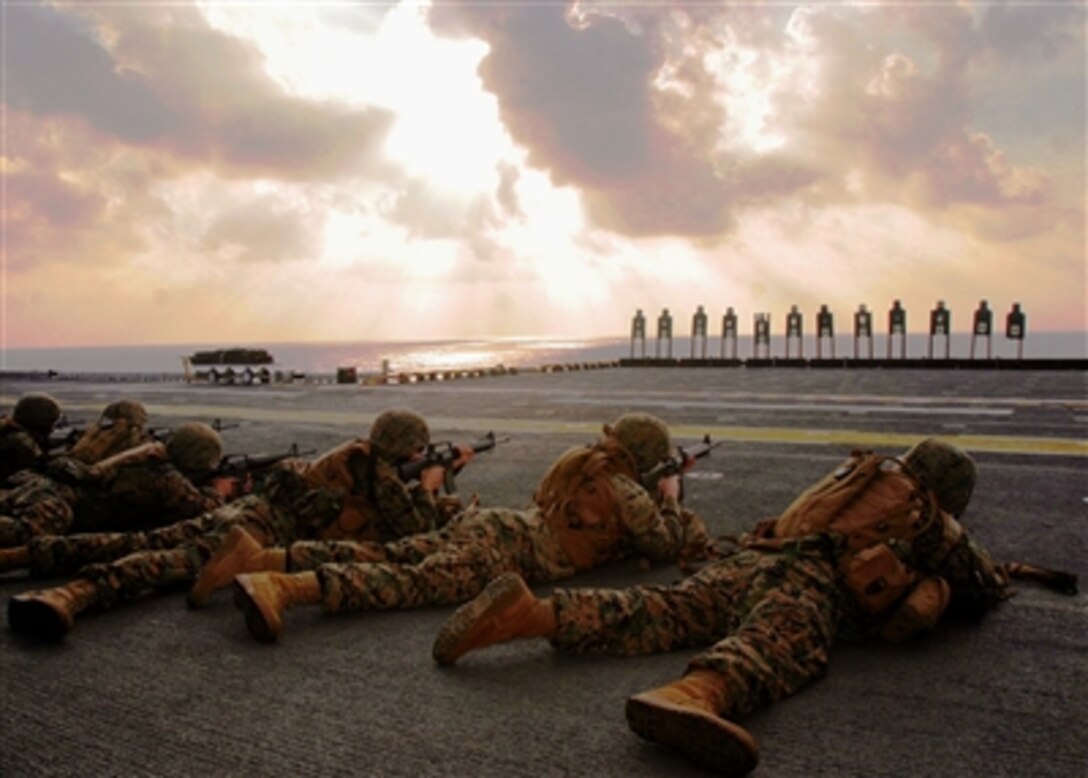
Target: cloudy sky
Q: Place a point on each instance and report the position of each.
(264, 171)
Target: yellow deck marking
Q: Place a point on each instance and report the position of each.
(355, 423)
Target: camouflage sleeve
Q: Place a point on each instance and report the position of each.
(697, 544)
(657, 531)
(181, 497)
(18, 451)
(404, 510)
(977, 583)
(67, 469)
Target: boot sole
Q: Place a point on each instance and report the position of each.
(711, 742)
(37, 619)
(256, 622)
(452, 640)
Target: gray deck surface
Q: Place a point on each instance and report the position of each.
(154, 689)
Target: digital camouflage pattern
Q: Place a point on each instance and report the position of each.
(449, 566)
(398, 433)
(646, 438)
(19, 450)
(36, 412)
(175, 554)
(770, 614)
(770, 618)
(945, 469)
(894, 533)
(139, 496)
(131, 411)
(285, 508)
(119, 428)
(137, 491)
(282, 509)
(38, 505)
(195, 447)
(24, 435)
(454, 564)
(945, 549)
(377, 505)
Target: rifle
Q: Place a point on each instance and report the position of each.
(66, 432)
(1055, 580)
(444, 455)
(674, 465)
(162, 434)
(241, 465)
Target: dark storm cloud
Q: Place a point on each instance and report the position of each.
(618, 101)
(54, 66)
(578, 95)
(169, 82)
(1025, 29)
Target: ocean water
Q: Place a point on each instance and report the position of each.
(368, 356)
(320, 358)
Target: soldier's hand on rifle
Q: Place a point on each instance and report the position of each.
(669, 486)
(432, 478)
(464, 456)
(230, 487)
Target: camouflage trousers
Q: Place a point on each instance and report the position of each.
(449, 566)
(771, 618)
(37, 506)
(127, 565)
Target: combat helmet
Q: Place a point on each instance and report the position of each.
(195, 447)
(398, 433)
(129, 410)
(646, 437)
(945, 469)
(36, 412)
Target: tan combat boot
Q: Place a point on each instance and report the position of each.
(684, 715)
(239, 553)
(50, 613)
(503, 611)
(16, 558)
(263, 597)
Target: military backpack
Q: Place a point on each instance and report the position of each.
(874, 503)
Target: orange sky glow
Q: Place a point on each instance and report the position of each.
(269, 172)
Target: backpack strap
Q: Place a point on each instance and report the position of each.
(816, 507)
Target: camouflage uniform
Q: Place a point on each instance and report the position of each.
(377, 505)
(774, 609)
(37, 505)
(145, 491)
(120, 427)
(24, 435)
(455, 563)
(283, 511)
(295, 501)
(19, 449)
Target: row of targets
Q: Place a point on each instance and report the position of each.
(940, 330)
